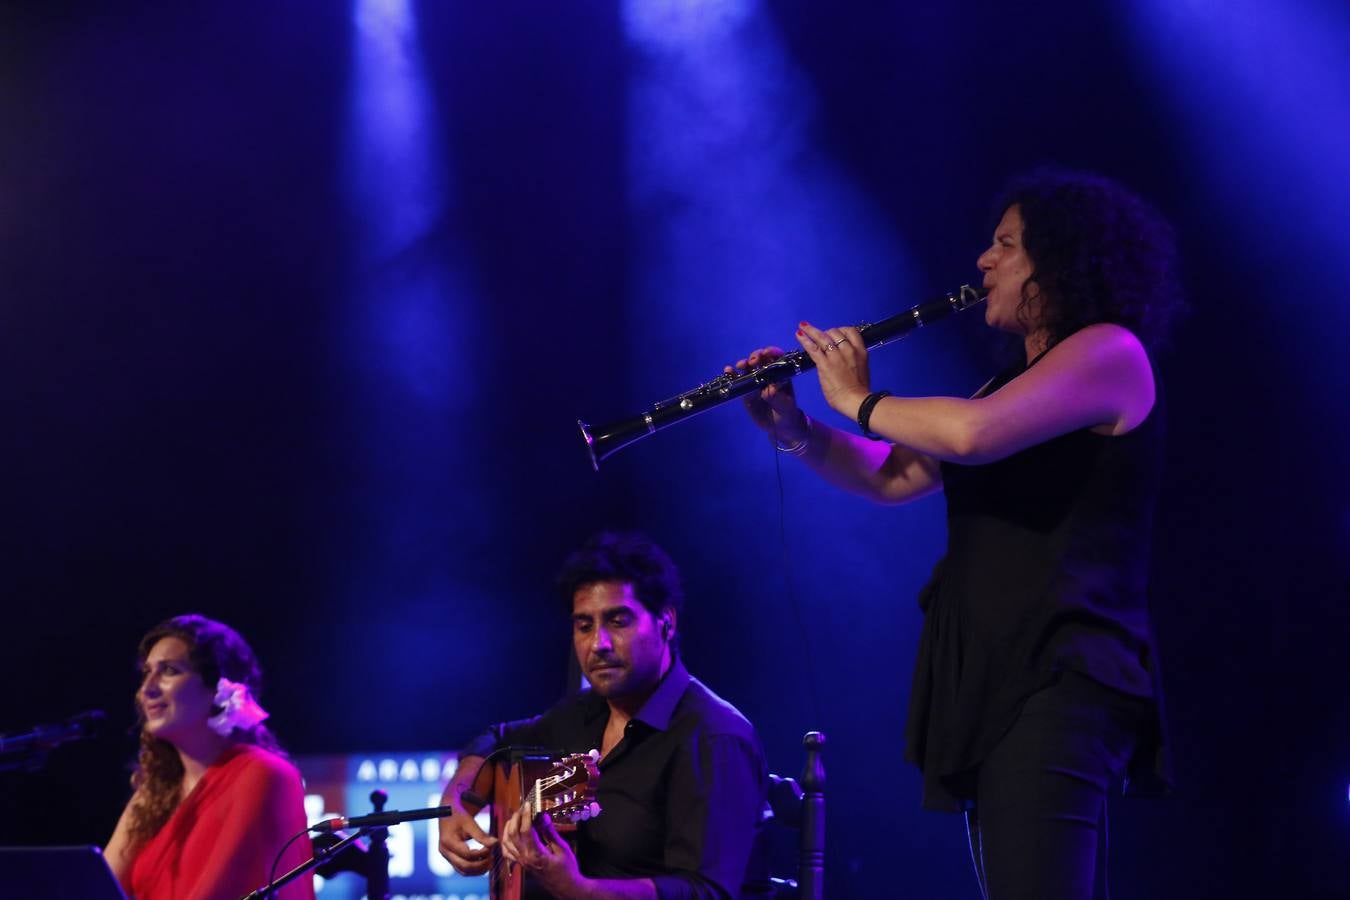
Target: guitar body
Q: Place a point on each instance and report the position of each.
(510, 777)
(512, 782)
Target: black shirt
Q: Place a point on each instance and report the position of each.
(1046, 571)
(681, 795)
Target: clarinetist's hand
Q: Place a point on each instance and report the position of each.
(841, 361)
(774, 408)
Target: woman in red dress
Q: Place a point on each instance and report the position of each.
(214, 797)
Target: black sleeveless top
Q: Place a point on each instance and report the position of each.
(1046, 570)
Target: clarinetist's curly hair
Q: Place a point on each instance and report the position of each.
(1099, 254)
(215, 650)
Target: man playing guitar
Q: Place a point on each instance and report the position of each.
(682, 776)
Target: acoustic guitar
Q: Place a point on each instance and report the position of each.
(564, 788)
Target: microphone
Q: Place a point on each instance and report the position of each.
(79, 727)
(392, 817)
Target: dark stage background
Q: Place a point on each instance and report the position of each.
(299, 303)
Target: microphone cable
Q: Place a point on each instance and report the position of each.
(276, 861)
(790, 587)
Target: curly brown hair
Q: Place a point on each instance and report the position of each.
(1099, 254)
(215, 650)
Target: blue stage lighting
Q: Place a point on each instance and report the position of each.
(678, 22)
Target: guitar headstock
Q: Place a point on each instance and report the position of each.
(567, 792)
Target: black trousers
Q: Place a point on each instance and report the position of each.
(1040, 797)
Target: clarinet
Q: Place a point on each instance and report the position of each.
(603, 441)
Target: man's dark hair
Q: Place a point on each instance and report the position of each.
(629, 558)
(1099, 254)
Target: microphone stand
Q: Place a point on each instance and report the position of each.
(29, 751)
(376, 859)
(318, 859)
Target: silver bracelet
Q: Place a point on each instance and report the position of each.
(797, 448)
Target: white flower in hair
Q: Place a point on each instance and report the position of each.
(238, 708)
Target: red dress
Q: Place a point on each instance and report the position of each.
(220, 842)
